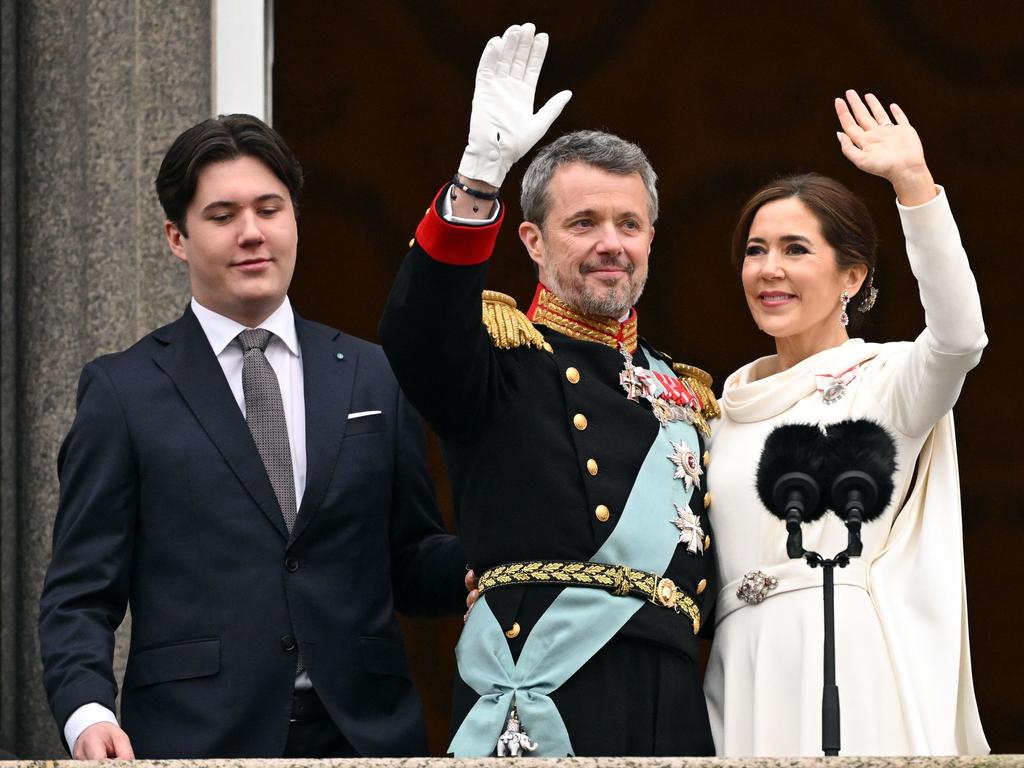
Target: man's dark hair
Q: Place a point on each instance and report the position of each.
(213, 141)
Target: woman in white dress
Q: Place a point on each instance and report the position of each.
(806, 250)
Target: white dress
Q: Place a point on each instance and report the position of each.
(902, 655)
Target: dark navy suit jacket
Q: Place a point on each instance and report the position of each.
(166, 506)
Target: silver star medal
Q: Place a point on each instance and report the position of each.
(690, 532)
(687, 467)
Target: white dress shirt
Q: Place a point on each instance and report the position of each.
(285, 358)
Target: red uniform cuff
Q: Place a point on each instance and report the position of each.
(457, 244)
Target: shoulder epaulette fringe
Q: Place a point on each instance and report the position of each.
(701, 382)
(508, 327)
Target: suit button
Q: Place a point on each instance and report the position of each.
(291, 564)
(512, 632)
(702, 585)
(707, 543)
(707, 458)
(592, 467)
(287, 643)
(572, 375)
(579, 421)
(411, 242)
(707, 499)
(602, 513)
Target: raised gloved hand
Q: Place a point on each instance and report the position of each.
(503, 126)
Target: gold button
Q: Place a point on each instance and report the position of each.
(579, 421)
(602, 513)
(702, 585)
(707, 458)
(707, 543)
(592, 467)
(547, 347)
(513, 631)
(426, 212)
(696, 625)
(707, 499)
(572, 375)
(411, 241)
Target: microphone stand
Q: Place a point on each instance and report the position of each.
(830, 736)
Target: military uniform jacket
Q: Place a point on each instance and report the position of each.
(542, 444)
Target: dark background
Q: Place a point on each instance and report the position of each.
(375, 97)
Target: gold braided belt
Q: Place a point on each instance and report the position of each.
(618, 579)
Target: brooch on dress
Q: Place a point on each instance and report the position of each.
(755, 587)
(833, 387)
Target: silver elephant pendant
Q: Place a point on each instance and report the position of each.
(514, 740)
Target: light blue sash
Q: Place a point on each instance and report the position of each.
(578, 622)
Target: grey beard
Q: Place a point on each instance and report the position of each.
(606, 305)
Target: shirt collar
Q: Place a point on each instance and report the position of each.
(221, 330)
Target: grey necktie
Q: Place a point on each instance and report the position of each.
(264, 411)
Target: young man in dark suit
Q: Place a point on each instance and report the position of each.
(252, 484)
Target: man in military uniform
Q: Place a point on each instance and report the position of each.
(576, 452)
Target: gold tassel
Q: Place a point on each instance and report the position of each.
(508, 327)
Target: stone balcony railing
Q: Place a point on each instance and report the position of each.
(990, 761)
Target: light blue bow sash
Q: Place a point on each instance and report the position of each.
(578, 622)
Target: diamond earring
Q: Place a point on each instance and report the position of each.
(844, 299)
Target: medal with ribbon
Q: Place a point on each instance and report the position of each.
(833, 387)
(671, 398)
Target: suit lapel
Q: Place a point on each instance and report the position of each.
(328, 373)
(190, 363)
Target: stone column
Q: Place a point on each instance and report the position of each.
(94, 91)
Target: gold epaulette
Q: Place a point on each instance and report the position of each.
(509, 328)
(701, 382)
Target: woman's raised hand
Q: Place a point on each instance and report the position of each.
(885, 147)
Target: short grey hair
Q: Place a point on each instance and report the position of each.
(597, 148)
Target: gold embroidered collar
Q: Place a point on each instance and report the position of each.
(547, 309)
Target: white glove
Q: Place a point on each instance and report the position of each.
(503, 127)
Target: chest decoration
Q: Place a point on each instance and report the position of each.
(833, 387)
(687, 469)
(687, 466)
(514, 742)
(671, 399)
(690, 532)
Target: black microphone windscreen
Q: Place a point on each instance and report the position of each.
(793, 448)
(865, 446)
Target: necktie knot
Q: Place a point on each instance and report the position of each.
(254, 338)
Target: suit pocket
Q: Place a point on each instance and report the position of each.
(175, 661)
(384, 656)
(361, 425)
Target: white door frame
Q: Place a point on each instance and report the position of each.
(242, 56)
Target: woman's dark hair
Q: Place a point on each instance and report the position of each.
(215, 140)
(845, 224)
